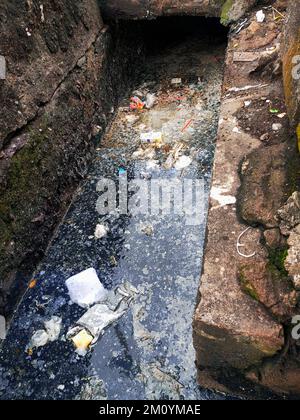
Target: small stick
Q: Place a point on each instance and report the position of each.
(189, 122)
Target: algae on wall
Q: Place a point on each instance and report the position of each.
(233, 10)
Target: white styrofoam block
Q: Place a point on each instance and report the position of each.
(85, 288)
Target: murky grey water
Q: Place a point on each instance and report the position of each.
(148, 353)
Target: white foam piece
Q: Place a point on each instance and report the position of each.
(85, 289)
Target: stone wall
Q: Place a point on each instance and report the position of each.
(291, 64)
(249, 291)
(65, 74)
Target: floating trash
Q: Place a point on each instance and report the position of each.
(177, 81)
(92, 324)
(147, 230)
(150, 100)
(50, 334)
(39, 339)
(82, 342)
(183, 162)
(53, 328)
(276, 127)
(151, 137)
(85, 289)
(101, 231)
(283, 115)
(260, 16)
(136, 103)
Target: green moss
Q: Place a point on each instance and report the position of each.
(225, 19)
(19, 198)
(277, 260)
(247, 287)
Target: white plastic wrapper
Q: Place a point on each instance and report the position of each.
(85, 288)
(260, 16)
(94, 322)
(183, 162)
(99, 317)
(50, 334)
(39, 339)
(53, 328)
(101, 231)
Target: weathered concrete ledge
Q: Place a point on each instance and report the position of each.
(228, 10)
(246, 297)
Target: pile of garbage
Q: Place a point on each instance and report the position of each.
(157, 143)
(104, 307)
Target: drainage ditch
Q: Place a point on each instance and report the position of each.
(163, 131)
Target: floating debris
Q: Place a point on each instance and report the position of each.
(85, 289)
(187, 125)
(50, 334)
(281, 115)
(93, 390)
(39, 339)
(82, 342)
(177, 81)
(249, 87)
(151, 137)
(136, 103)
(277, 127)
(122, 171)
(147, 230)
(132, 119)
(32, 284)
(53, 328)
(150, 100)
(260, 16)
(274, 111)
(101, 231)
(183, 162)
(92, 324)
(173, 156)
(236, 130)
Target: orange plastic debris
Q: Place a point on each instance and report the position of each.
(136, 103)
(32, 284)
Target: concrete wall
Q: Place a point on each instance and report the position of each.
(65, 72)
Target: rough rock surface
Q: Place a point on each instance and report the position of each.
(41, 47)
(291, 63)
(292, 262)
(229, 10)
(63, 81)
(263, 191)
(238, 324)
(289, 214)
(274, 239)
(267, 285)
